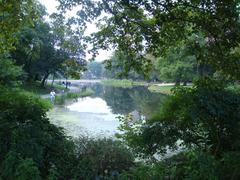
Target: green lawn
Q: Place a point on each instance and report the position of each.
(160, 89)
(125, 83)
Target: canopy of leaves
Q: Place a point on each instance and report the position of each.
(204, 117)
(137, 27)
(13, 16)
(9, 72)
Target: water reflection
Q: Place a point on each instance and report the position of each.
(124, 101)
(90, 105)
(97, 114)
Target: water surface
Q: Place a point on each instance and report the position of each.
(97, 115)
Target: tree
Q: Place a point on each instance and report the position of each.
(14, 15)
(115, 67)
(44, 50)
(94, 70)
(136, 27)
(203, 123)
(71, 69)
(178, 65)
(9, 72)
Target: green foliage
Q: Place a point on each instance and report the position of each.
(95, 70)
(14, 167)
(136, 27)
(9, 165)
(205, 119)
(31, 147)
(36, 88)
(26, 131)
(9, 72)
(27, 170)
(71, 69)
(60, 100)
(36, 53)
(14, 15)
(48, 48)
(177, 66)
(199, 118)
(119, 66)
(103, 158)
(234, 88)
(187, 165)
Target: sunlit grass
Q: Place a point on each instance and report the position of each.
(161, 89)
(125, 83)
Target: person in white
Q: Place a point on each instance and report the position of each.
(52, 95)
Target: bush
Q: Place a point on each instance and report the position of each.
(25, 130)
(205, 118)
(32, 147)
(101, 158)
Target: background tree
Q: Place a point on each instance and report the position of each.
(14, 15)
(115, 68)
(95, 70)
(136, 27)
(178, 65)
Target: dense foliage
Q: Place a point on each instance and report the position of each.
(204, 123)
(31, 147)
(137, 27)
(190, 38)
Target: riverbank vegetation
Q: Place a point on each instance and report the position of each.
(175, 41)
(183, 41)
(62, 97)
(124, 83)
(35, 87)
(161, 89)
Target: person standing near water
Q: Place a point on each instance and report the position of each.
(52, 96)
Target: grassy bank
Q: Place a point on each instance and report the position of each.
(160, 89)
(60, 99)
(125, 83)
(35, 87)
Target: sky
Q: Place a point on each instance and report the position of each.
(51, 8)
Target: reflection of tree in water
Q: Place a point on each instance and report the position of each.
(98, 90)
(146, 102)
(125, 101)
(118, 99)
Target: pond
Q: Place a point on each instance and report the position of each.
(97, 115)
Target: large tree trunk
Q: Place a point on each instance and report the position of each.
(177, 83)
(184, 83)
(44, 79)
(53, 79)
(66, 83)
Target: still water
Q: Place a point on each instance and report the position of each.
(97, 115)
